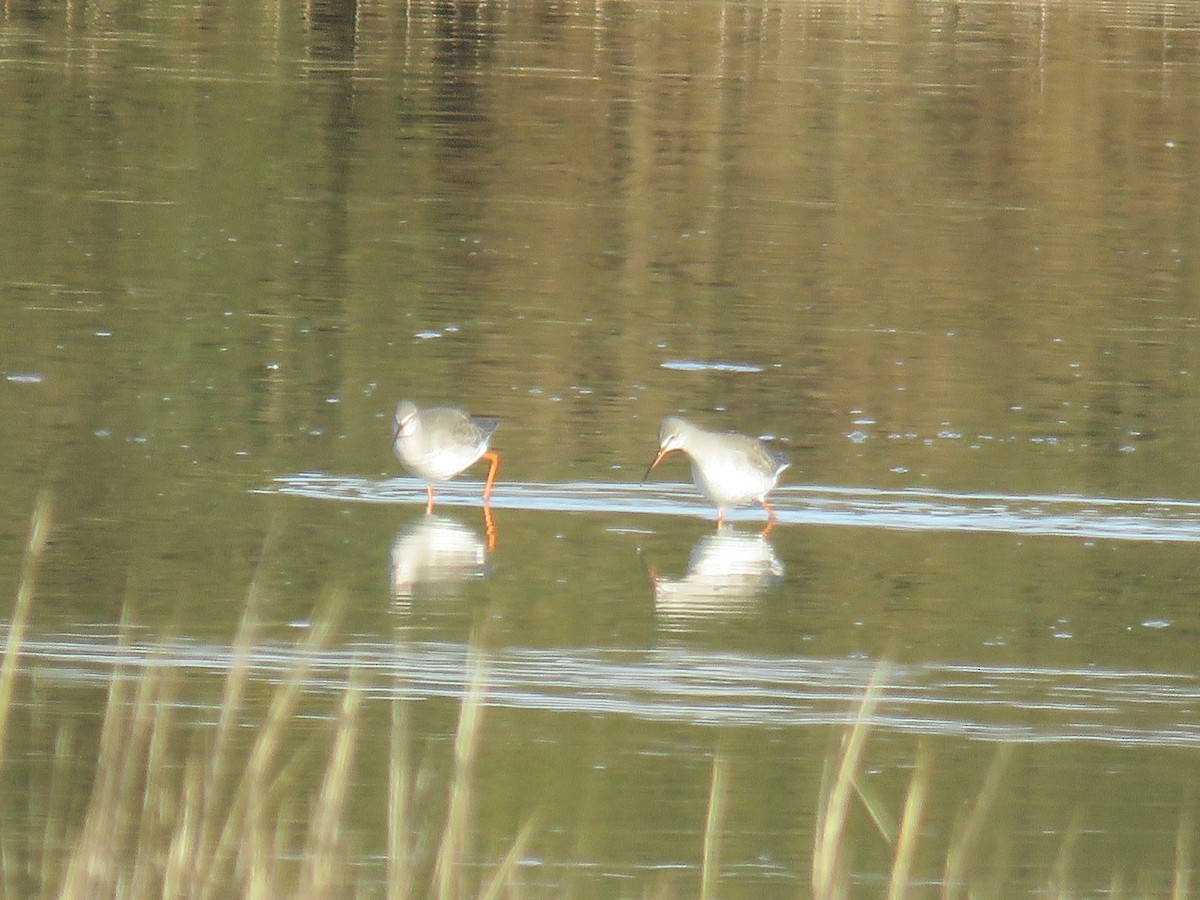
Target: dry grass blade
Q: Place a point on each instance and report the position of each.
(399, 809)
(155, 718)
(448, 868)
(234, 690)
(321, 858)
(239, 670)
(246, 827)
(710, 869)
(828, 843)
(508, 866)
(1183, 858)
(954, 880)
(910, 824)
(35, 544)
(181, 877)
(1060, 886)
(875, 809)
(91, 870)
(61, 781)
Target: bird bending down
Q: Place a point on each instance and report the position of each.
(729, 469)
(437, 443)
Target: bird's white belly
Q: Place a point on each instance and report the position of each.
(727, 484)
(437, 465)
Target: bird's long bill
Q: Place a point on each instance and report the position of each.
(657, 460)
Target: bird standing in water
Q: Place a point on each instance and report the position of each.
(437, 443)
(730, 469)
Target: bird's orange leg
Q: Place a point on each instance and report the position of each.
(489, 525)
(429, 503)
(770, 518)
(720, 517)
(494, 460)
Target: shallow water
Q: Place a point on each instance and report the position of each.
(678, 684)
(943, 257)
(905, 510)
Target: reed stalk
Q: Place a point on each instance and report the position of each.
(158, 800)
(399, 808)
(181, 876)
(967, 834)
(829, 838)
(92, 867)
(35, 545)
(710, 866)
(1060, 873)
(319, 873)
(1183, 858)
(202, 840)
(448, 882)
(910, 824)
(60, 787)
(246, 834)
(505, 873)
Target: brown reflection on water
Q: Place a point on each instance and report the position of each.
(965, 232)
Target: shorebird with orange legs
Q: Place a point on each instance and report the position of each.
(439, 442)
(729, 469)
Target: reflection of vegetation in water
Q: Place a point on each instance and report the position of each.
(230, 821)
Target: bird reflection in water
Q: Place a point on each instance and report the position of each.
(435, 554)
(727, 571)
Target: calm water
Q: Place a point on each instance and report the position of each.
(945, 256)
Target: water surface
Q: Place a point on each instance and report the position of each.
(942, 256)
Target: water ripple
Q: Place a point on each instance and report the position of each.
(908, 510)
(698, 687)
